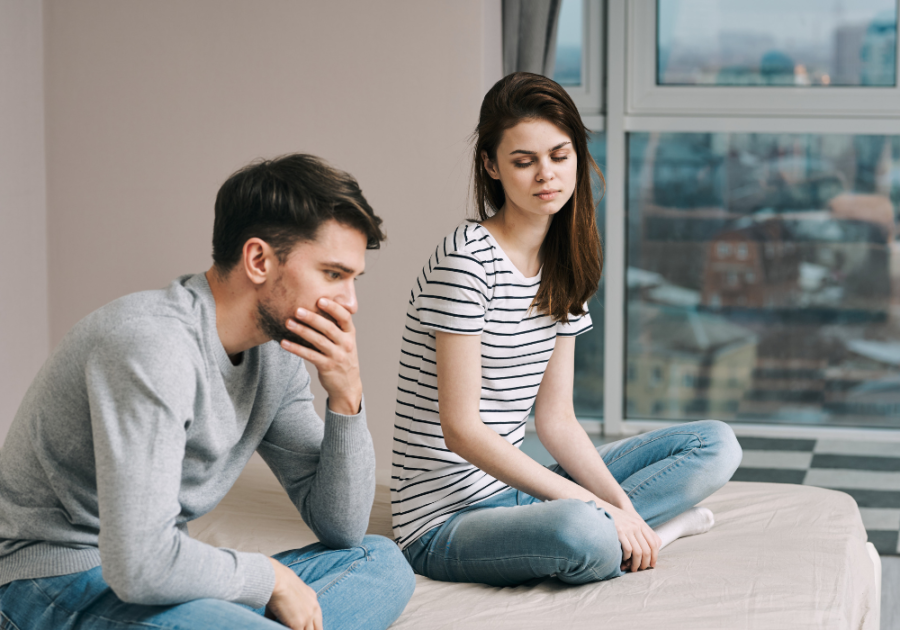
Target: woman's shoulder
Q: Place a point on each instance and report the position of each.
(468, 240)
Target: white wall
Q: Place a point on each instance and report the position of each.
(151, 105)
(23, 209)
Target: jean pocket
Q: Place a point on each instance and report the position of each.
(5, 622)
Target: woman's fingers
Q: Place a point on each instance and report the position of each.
(654, 545)
(637, 554)
(647, 554)
(626, 548)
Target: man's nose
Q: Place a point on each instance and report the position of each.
(347, 297)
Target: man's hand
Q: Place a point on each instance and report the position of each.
(335, 355)
(293, 603)
(640, 544)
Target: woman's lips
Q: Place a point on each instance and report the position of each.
(547, 195)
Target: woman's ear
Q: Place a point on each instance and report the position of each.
(489, 166)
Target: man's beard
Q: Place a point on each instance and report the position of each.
(274, 328)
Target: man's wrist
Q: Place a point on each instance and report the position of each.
(345, 405)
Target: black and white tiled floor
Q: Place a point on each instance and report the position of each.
(867, 471)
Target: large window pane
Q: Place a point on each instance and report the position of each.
(589, 346)
(773, 42)
(763, 278)
(569, 44)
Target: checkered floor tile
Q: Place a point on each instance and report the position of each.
(867, 471)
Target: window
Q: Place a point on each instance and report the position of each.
(814, 313)
(752, 161)
(580, 56)
(570, 45)
(765, 58)
(776, 43)
(589, 349)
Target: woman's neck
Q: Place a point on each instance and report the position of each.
(521, 235)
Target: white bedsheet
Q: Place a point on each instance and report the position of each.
(779, 556)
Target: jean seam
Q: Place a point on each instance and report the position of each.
(366, 557)
(670, 466)
(7, 623)
(661, 437)
(327, 552)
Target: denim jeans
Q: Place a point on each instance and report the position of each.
(513, 537)
(361, 587)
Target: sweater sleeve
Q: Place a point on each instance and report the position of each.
(327, 469)
(141, 383)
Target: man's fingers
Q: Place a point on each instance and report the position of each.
(311, 334)
(340, 314)
(321, 325)
(307, 354)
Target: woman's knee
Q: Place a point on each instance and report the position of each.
(587, 541)
(722, 450)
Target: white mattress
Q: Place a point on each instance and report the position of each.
(779, 556)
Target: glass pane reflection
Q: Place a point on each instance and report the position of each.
(764, 278)
(569, 43)
(589, 346)
(772, 42)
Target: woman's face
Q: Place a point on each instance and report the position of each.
(537, 166)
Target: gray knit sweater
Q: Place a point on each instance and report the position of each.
(139, 423)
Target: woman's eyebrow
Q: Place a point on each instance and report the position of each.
(556, 148)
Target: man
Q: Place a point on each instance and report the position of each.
(150, 407)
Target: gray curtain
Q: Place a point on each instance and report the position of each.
(529, 36)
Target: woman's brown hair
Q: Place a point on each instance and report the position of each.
(572, 254)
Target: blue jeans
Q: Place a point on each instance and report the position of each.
(361, 587)
(512, 537)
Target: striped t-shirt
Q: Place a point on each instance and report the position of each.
(468, 287)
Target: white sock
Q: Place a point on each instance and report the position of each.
(697, 520)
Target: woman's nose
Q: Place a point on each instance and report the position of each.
(545, 173)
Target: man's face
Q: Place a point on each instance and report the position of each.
(326, 267)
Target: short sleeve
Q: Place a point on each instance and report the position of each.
(576, 325)
(451, 294)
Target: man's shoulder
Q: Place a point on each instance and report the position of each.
(164, 317)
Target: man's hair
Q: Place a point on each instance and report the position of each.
(283, 202)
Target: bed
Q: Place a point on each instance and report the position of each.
(779, 556)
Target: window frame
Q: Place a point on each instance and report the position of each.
(646, 98)
(627, 110)
(588, 96)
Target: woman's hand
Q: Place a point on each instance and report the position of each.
(640, 544)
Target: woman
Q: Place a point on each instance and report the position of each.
(490, 333)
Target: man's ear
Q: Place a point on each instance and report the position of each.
(489, 166)
(259, 260)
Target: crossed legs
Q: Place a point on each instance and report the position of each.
(513, 537)
(361, 587)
